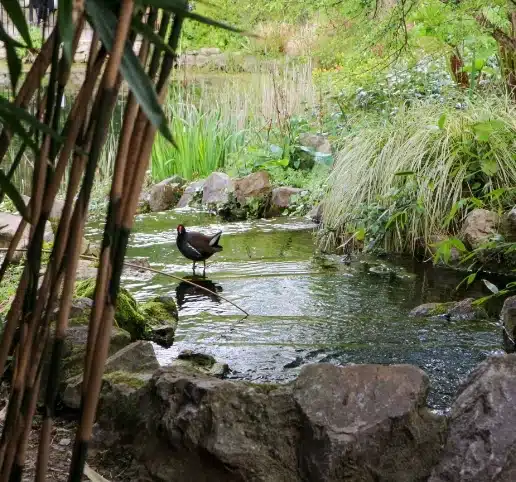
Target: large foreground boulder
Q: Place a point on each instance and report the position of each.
(361, 423)
(133, 365)
(366, 423)
(481, 444)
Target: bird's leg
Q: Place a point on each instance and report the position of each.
(204, 270)
(193, 268)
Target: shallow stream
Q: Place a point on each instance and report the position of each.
(305, 308)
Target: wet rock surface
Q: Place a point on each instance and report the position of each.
(331, 424)
(481, 443)
(453, 310)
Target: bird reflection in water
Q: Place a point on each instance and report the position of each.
(187, 293)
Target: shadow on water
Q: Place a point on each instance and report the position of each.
(306, 308)
(189, 294)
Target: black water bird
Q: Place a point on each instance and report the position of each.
(197, 246)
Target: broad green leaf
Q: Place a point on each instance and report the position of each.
(15, 13)
(147, 32)
(489, 166)
(441, 121)
(104, 21)
(66, 26)
(360, 234)
(8, 188)
(471, 278)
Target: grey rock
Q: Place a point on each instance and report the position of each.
(508, 318)
(317, 142)
(164, 196)
(454, 310)
(9, 224)
(201, 362)
(366, 419)
(85, 269)
(216, 189)
(136, 358)
(363, 423)
(57, 208)
(316, 214)
(281, 199)
(481, 439)
(193, 190)
(480, 226)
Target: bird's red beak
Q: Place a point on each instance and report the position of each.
(180, 228)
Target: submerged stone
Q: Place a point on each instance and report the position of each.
(454, 310)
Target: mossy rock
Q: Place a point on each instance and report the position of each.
(161, 317)
(127, 314)
(453, 310)
(160, 310)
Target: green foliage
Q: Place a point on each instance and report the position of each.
(405, 180)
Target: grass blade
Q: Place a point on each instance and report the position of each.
(66, 26)
(11, 192)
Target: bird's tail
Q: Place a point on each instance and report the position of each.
(214, 241)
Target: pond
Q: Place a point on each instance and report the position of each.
(304, 308)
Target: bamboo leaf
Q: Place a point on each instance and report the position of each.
(15, 12)
(66, 26)
(181, 7)
(7, 187)
(104, 21)
(14, 114)
(153, 37)
(14, 62)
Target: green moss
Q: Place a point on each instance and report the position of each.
(127, 314)
(161, 310)
(129, 379)
(440, 309)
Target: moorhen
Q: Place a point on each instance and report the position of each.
(197, 246)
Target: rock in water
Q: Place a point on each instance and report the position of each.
(481, 444)
(454, 310)
(366, 419)
(164, 196)
(216, 189)
(282, 199)
(192, 191)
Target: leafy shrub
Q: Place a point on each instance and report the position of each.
(405, 180)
